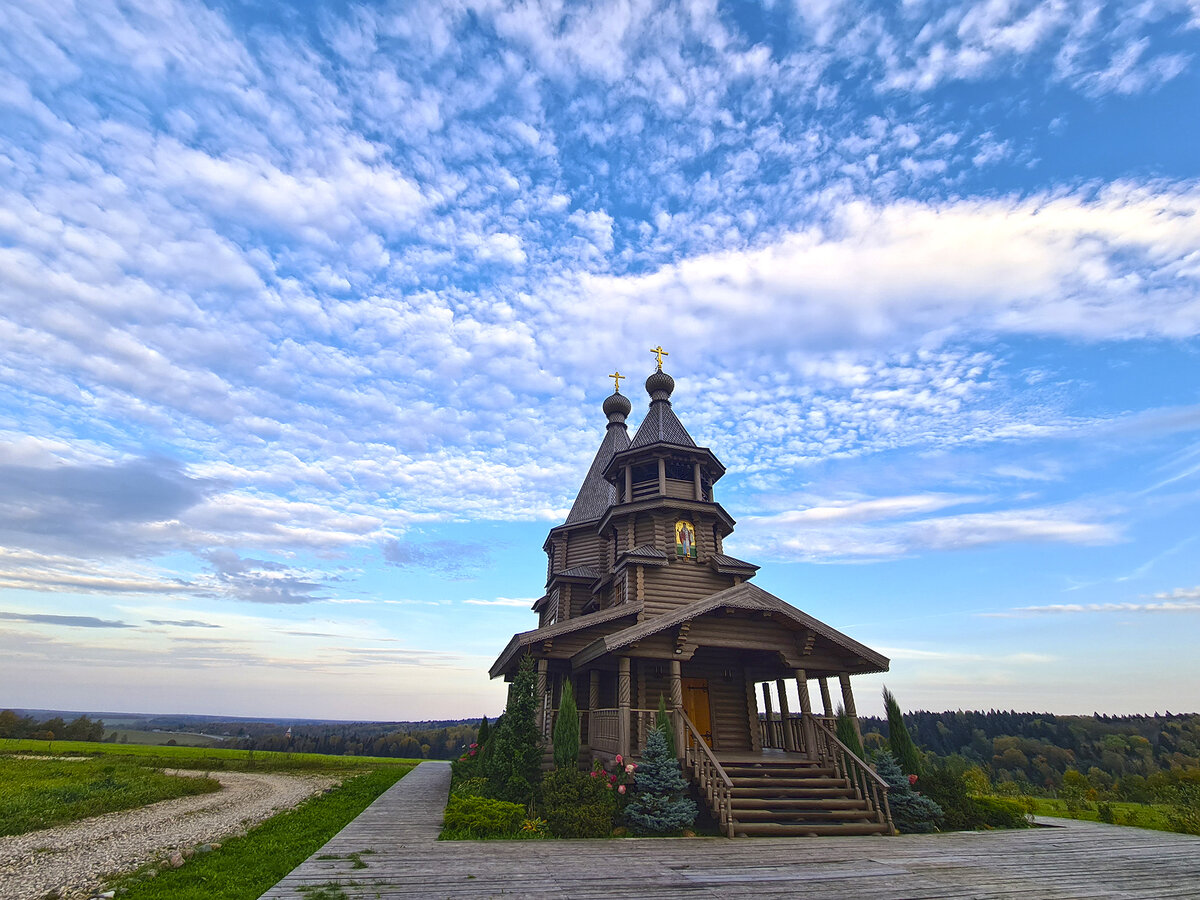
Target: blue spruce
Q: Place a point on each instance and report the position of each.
(659, 806)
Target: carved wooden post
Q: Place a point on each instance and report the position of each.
(848, 703)
(543, 666)
(623, 692)
(756, 744)
(826, 700)
(699, 490)
(806, 723)
(769, 740)
(628, 483)
(785, 726)
(662, 476)
(677, 706)
(594, 689)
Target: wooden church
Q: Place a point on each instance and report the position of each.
(642, 601)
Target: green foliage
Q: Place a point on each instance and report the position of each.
(1001, 813)
(566, 730)
(912, 813)
(659, 806)
(662, 721)
(468, 787)
(844, 728)
(949, 790)
(246, 867)
(485, 731)
(577, 804)
(40, 793)
(514, 758)
(1183, 800)
(901, 742)
(480, 817)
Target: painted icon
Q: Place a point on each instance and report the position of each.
(685, 539)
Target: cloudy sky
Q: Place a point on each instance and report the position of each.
(306, 312)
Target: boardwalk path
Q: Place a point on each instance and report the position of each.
(1080, 860)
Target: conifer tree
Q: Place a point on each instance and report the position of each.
(912, 812)
(659, 806)
(513, 764)
(484, 732)
(899, 739)
(663, 722)
(566, 730)
(844, 728)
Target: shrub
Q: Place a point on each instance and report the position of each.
(577, 805)
(659, 806)
(479, 817)
(566, 730)
(901, 742)
(1000, 813)
(469, 787)
(844, 728)
(513, 762)
(912, 813)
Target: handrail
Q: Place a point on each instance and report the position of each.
(703, 745)
(871, 773)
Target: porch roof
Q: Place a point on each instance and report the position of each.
(743, 596)
(526, 639)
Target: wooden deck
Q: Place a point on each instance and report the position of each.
(1077, 860)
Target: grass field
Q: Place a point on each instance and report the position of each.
(160, 738)
(206, 758)
(42, 793)
(243, 868)
(1140, 815)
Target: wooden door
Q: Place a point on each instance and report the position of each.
(696, 705)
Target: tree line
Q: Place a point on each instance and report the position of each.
(53, 729)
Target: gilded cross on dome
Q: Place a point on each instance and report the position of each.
(660, 353)
(616, 377)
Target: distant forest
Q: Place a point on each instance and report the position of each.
(1029, 753)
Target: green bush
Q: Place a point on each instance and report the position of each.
(479, 817)
(513, 761)
(912, 812)
(659, 806)
(566, 730)
(577, 805)
(469, 787)
(1000, 813)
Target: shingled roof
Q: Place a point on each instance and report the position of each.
(597, 495)
(661, 426)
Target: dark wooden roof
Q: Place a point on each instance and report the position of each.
(731, 564)
(597, 495)
(644, 552)
(741, 596)
(527, 639)
(661, 426)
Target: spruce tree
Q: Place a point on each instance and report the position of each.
(663, 722)
(912, 813)
(513, 764)
(566, 730)
(484, 732)
(844, 728)
(899, 739)
(659, 806)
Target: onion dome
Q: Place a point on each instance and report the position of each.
(617, 407)
(660, 385)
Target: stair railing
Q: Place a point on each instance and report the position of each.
(846, 764)
(710, 777)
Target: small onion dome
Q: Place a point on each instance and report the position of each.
(659, 385)
(617, 407)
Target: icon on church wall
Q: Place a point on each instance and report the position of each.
(685, 539)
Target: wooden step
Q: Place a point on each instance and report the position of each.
(774, 829)
(796, 793)
(790, 816)
(742, 770)
(820, 781)
(798, 803)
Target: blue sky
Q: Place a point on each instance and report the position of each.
(305, 316)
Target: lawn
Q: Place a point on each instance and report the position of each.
(42, 793)
(1140, 815)
(244, 867)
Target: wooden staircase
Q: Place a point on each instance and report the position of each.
(797, 798)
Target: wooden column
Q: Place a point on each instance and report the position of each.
(752, 716)
(543, 666)
(662, 476)
(848, 703)
(628, 483)
(806, 722)
(594, 689)
(826, 700)
(677, 707)
(623, 692)
(768, 712)
(789, 742)
(699, 492)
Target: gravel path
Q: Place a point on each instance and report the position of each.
(74, 858)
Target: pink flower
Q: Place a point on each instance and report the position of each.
(594, 773)
(619, 760)
(912, 779)
(629, 768)
(621, 789)
(608, 786)
(612, 779)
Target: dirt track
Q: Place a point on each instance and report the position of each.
(74, 858)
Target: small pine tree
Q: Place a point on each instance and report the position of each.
(659, 806)
(901, 742)
(912, 813)
(513, 764)
(844, 728)
(484, 732)
(566, 730)
(663, 722)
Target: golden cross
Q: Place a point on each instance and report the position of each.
(660, 353)
(616, 377)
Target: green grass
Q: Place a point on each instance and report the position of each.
(244, 867)
(160, 738)
(1140, 815)
(41, 793)
(206, 758)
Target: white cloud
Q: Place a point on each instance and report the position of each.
(521, 602)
